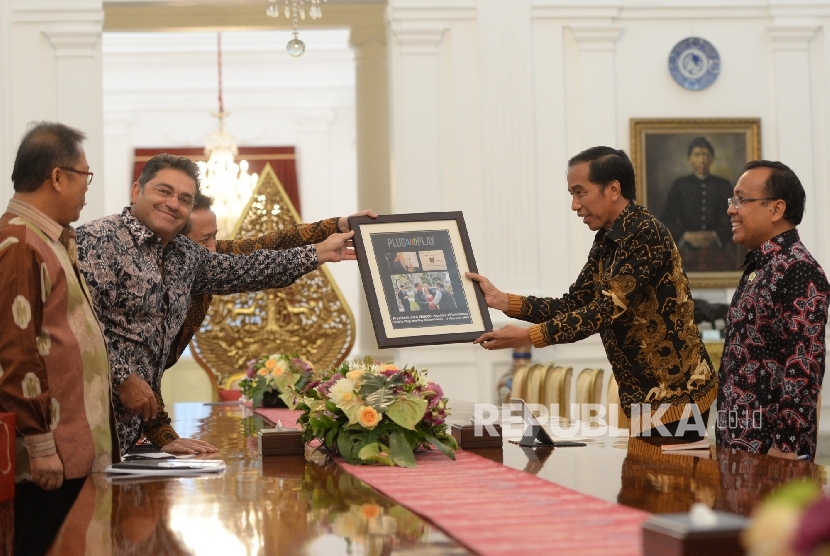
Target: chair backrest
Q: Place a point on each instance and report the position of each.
(517, 390)
(588, 388)
(534, 381)
(613, 398)
(557, 388)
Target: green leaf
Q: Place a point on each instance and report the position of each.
(447, 449)
(331, 406)
(372, 453)
(407, 411)
(400, 450)
(377, 390)
(345, 445)
(290, 398)
(327, 421)
(350, 410)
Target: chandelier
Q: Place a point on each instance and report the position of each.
(227, 182)
(295, 9)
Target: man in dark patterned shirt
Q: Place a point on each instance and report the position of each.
(142, 273)
(773, 358)
(633, 291)
(202, 228)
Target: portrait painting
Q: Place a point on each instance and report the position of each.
(686, 170)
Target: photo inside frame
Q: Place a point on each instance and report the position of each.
(421, 280)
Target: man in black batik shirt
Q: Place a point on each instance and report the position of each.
(632, 291)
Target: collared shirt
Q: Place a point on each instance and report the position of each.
(54, 374)
(773, 359)
(142, 292)
(160, 430)
(634, 293)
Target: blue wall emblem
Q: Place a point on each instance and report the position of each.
(694, 63)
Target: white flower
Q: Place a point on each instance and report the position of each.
(343, 391)
(22, 311)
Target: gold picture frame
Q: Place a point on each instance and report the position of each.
(661, 153)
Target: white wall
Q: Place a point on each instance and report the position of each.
(487, 102)
(50, 69)
(494, 97)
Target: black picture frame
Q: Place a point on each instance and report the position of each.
(397, 252)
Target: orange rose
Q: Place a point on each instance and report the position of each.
(370, 511)
(270, 364)
(368, 417)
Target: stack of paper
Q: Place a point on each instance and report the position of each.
(167, 467)
(699, 449)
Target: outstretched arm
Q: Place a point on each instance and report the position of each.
(294, 236)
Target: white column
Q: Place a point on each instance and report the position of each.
(7, 139)
(794, 111)
(373, 152)
(55, 74)
(597, 84)
(118, 160)
(514, 242)
(312, 164)
(416, 142)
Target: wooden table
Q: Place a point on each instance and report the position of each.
(284, 505)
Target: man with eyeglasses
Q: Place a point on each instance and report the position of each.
(202, 228)
(774, 355)
(54, 375)
(142, 274)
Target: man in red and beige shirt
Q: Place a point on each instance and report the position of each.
(54, 373)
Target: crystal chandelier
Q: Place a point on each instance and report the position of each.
(227, 182)
(295, 9)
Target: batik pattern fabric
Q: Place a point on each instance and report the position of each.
(142, 292)
(774, 355)
(160, 430)
(294, 236)
(634, 293)
(54, 374)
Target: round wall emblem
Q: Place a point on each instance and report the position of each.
(694, 63)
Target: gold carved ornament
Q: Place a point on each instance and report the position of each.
(309, 318)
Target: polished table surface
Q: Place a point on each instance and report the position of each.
(286, 505)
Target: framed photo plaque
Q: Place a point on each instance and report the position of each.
(412, 267)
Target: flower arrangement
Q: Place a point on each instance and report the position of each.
(793, 520)
(273, 380)
(373, 413)
(347, 507)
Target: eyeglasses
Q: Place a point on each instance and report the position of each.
(87, 174)
(738, 201)
(167, 193)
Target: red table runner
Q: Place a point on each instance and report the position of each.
(495, 510)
